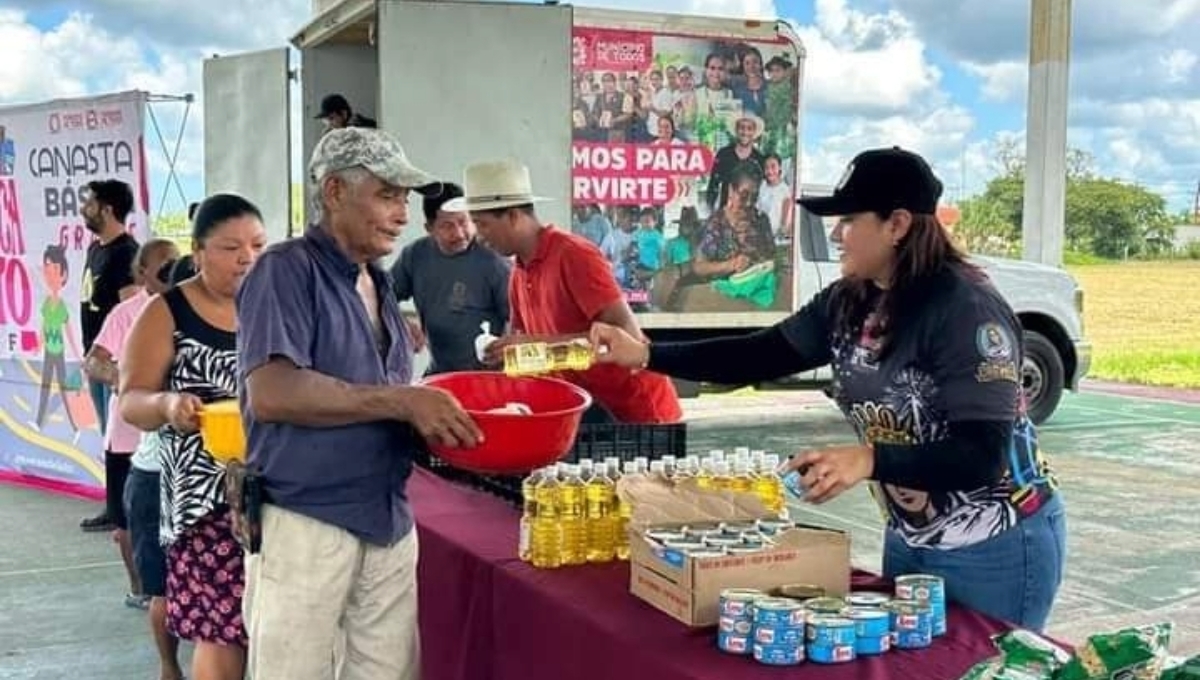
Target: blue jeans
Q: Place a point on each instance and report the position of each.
(1013, 576)
(100, 394)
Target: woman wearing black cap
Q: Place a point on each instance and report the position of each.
(926, 360)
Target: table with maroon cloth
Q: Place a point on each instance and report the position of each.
(484, 614)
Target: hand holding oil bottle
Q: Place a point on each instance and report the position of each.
(534, 357)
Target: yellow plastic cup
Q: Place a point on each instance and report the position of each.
(221, 430)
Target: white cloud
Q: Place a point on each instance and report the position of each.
(1178, 65)
(864, 63)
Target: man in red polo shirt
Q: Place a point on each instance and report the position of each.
(560, 285)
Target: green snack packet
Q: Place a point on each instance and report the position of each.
(1188, 669)
(997, 669)
(1023, 656)
(1128, 654)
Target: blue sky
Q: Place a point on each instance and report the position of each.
(945, 77)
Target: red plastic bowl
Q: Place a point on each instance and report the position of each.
(513, 443)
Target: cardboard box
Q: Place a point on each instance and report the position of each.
(688, 589)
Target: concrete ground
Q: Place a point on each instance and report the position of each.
(1127, 465)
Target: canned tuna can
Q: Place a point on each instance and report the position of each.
(866, 599)
(778, 612)
(723, 541)
(738, 528)
(733, 644)
(665, 535)
(830, 631)
(872, 646)
(870, 622)
(911, 615)
(914, 639)
(735, 625)
(800, 591)
(684, 545)
(925, 588)
(827, 606)
(736, 602)
(830, 653)
(770, 527)
(791, 482)
(779, 655)
(743, 550)
(779, 635)
(701, 533)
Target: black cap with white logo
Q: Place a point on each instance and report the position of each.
(881, 180)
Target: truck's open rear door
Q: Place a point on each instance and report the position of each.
(247, 133)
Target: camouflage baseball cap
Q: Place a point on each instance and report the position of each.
(373, 150)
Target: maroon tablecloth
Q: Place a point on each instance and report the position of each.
(484, 614)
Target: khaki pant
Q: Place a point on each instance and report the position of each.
(322, 604)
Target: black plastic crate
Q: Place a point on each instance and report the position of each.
(596, 441)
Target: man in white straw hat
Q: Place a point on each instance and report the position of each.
(560, 285)
(325, 365)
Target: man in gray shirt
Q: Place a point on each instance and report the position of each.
(455, 282)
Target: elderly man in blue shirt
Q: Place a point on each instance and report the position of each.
(330, 417)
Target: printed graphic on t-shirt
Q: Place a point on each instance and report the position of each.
(895, 401)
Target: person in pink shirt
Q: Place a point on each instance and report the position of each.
(121, 438)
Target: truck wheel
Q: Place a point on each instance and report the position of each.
(1042, 377)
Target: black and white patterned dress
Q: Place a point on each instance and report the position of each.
(205, 571)
(205, 364)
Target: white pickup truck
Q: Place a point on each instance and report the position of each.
(633, 116)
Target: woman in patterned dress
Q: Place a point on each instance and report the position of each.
(184, 344)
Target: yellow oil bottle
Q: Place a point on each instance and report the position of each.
(532, 358)
(624, 514)
(722, 477)
(571, 517)
(741, 480)
(528, 514)
(704, 476)
(546, 533)
(600, 493)
(768, 485)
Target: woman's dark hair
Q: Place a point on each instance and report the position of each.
(56, 254)
(924, 258)
(219, 208)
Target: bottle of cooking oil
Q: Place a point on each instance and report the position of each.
(741, 480)
(669, 465)
(643, 463)
(722, 477)
(704, 476)
(531, 358)
(658, 471)
(546, 537)
(624, 514)
(587, 468)
(683, 470)
(600, 494)
(612, 465)
(528, 514)
(571, 517)
(768, 485)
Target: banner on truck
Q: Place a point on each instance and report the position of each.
(49, 431)
(684, 166)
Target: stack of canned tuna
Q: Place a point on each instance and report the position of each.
(717, 539)
(797, 622)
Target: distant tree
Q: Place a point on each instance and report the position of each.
(1105, 217)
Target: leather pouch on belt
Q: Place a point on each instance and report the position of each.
(244, 492)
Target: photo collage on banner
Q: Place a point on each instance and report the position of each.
(684, 166)
(49, 429)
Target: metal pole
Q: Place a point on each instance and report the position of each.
(1046, 131)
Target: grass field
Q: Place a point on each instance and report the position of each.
(1143, 319)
